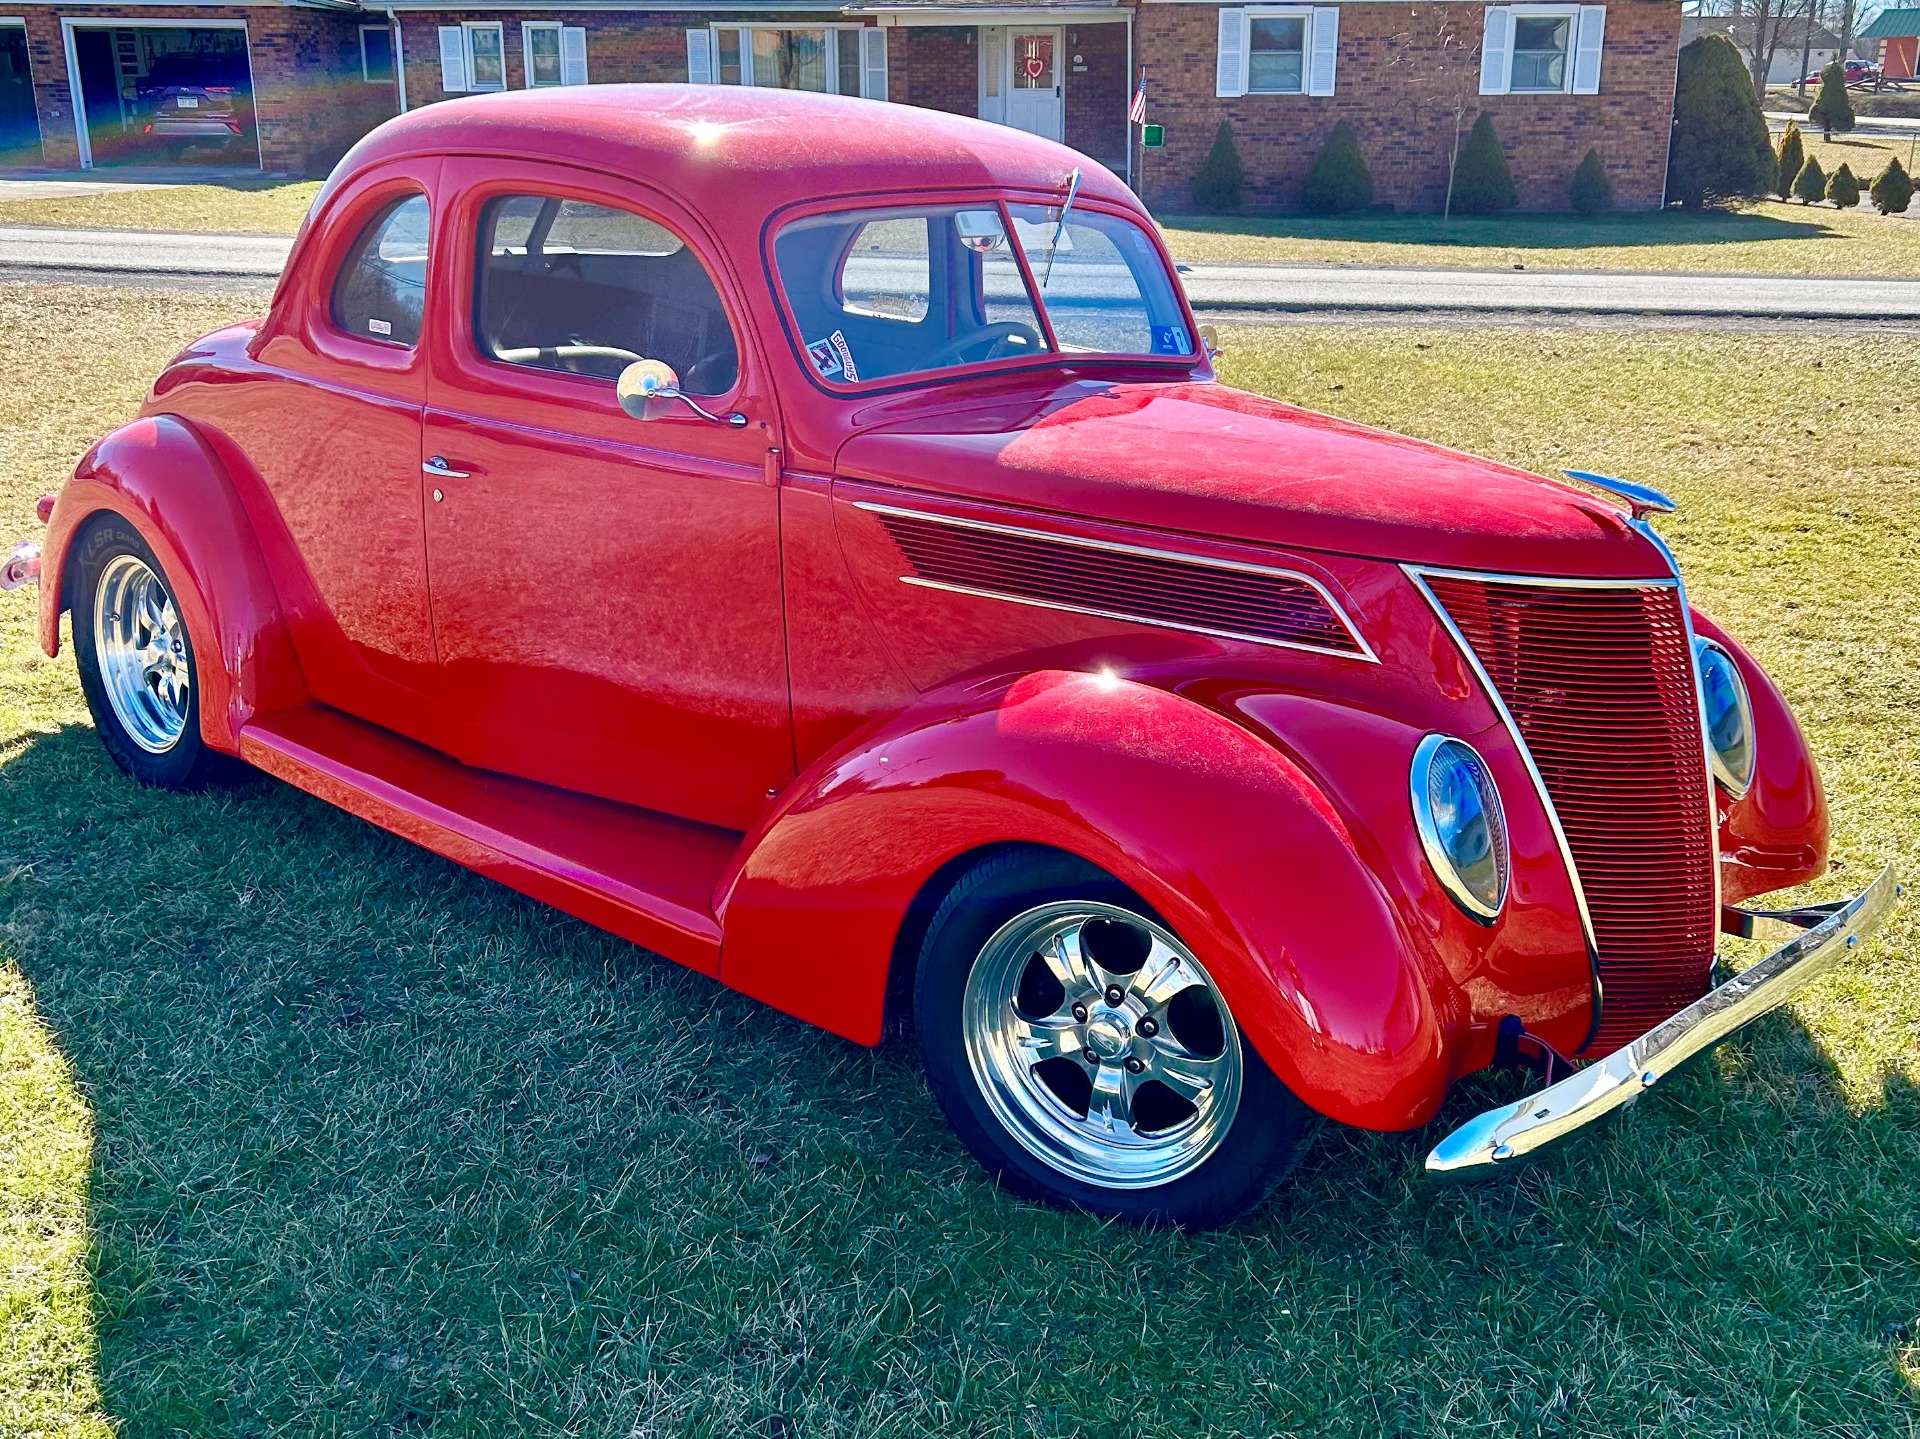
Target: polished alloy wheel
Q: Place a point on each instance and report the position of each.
(1101, 1044)
(142, 650)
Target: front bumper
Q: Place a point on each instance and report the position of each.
(1516, 1131)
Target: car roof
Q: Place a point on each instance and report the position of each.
(741, 151)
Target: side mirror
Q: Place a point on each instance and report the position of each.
(1210, 342)
(647, 380)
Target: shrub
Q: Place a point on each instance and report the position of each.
(1832, 110)
(1892, 191)
(1339, 180)
(1843, 189)
(1482, 183)
(1591, 192)
(1793, 154)
(1811, 184)
(1217, 186)
(1721, 149)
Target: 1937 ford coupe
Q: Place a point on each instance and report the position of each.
(805, 536)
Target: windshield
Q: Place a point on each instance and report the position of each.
(879, 294)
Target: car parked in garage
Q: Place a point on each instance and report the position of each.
(808, 537)
(191, 103)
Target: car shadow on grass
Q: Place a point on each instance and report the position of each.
(381, 1147)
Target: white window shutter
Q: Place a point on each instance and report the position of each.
(453, 59)
(1323, 46)
(1230, 76)
(1496, 52)
(1586, 49)
(873, 63)
(573, 55)
(700, 57)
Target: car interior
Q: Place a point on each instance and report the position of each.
(584, 289)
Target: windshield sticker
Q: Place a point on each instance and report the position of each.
(380, 327)
(832, 357)
(824, 359)
(1169, 340)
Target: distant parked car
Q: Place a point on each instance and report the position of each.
(192, 101)
(1858, 72)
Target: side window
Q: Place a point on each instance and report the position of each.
(582, 289)
(381, 290)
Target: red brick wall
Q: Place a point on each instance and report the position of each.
(936, 67)
(309, 101)
(1401, 69)
(1097, 96)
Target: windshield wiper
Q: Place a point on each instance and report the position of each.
(1073, 189)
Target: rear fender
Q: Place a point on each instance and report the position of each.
(159, 476)
(1228, 839)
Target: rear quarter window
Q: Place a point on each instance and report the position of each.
(381, 290)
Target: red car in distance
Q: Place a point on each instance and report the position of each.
(806, 536)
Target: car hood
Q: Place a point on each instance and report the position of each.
(1209, 460)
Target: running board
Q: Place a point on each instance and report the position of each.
(644, 876)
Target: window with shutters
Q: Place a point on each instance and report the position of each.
(1278, 50)
(543, 55)
(1542, 49)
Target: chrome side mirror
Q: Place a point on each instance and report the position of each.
(644, 381)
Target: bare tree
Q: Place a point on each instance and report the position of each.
(1434, 67)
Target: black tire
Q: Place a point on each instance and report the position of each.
(1264, 1138)
(187, 763)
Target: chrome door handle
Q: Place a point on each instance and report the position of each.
(437, 467)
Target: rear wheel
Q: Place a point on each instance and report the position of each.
(136, 661)
(1085, 1054)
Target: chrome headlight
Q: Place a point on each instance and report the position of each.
(1462, 827)
(1729, 716)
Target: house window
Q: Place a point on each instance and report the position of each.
(1276, 54)
(1540, 44)
(543, 55)
(1277, 50)
(376, 54)
(825, 59)
(486, 56)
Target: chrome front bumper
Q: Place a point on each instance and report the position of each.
(1516, 1131)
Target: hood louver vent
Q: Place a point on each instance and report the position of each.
(1251, 603)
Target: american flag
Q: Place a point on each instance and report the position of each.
(1137, 111)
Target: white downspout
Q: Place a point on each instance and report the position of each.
(399, 60)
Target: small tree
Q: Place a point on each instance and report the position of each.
(1843, 189)
(1793, 154)
(1721, 149)
(1892, 191)
(1832, 110)
(1339, 180)
(1591, 192)
(1811, 184)
(1482, 183)
(1218, 185)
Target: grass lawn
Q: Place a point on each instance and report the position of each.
(239, 207)
(305, 1131)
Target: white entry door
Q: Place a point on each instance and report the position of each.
(1030, 78)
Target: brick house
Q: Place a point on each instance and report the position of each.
(297, 81)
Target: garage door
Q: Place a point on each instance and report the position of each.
(163, 94)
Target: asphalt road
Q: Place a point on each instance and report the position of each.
(1244, 288)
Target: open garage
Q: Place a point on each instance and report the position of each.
(162, 93)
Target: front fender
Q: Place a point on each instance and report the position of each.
(1227, 838)
(1775, 835)
(159, 476)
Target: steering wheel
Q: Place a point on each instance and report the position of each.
(993, 336)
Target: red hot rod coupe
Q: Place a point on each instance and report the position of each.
(806, 537)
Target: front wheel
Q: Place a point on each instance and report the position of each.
(1087, 1057)
(136, 661)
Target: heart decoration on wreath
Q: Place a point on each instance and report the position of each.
(1034, 66)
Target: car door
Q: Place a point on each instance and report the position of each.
(606, 591)
(332, 427)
